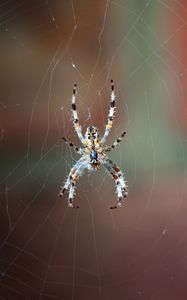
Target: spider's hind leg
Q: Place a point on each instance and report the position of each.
(65, 187)
(72, 194)
(121, 188)
(120, 182)
(70, 183)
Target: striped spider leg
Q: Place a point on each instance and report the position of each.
(74, 147)
(119, 177)
(76, 171)
(116, 143)
(75, 116)
(111, 114)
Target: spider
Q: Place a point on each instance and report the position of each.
(93, 154)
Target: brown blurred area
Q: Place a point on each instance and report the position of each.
(93, 252)
(36, 48)
(48, 251)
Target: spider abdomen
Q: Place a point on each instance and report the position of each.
(94, 157)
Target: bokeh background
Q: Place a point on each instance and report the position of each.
(48, 251)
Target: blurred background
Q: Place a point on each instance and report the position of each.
(48, 251)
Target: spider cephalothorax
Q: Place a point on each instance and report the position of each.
(94, 154)
(92, 135)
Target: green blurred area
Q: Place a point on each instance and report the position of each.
(136, 42)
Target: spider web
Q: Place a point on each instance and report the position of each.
(48, 251)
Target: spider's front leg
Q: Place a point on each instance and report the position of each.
(118, 176)
(75, 115)
(73, 176)
(110, 114)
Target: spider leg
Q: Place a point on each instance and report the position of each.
(116, 143)
(111, 113)
(73, 176)
(75, 148)
(67, 183)
(118, 176)
(75, 115)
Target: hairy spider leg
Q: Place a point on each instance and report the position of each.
(116, 143)
(75, 116)
(73, 176)
(119, 177)
(111, 113)
(74, 147)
